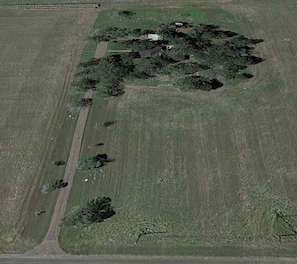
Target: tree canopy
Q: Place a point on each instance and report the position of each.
(93, 211)
(92, 162)
(183, 51)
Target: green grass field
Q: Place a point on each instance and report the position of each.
(204, 169)
(39, 53)
(147, 17)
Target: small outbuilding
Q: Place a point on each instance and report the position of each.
(154, 37)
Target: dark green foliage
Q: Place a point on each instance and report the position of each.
(60, 184)
(92, 162)
(102, 91)
(138, 45)
(193, 83)
(184, 68)
(167, 31)
(94, 211)
(185, 49)
(145, 68)
(86, 102)
(91, 62)
(80, 86)
(81, 103)
(126, 13)
(105, 75)
(247, 76)
(59, 163)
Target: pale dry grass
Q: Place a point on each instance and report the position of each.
(38, 57)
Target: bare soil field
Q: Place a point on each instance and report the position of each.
(200, 173)
(39, 52)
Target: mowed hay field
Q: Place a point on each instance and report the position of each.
(202, 172)
(39, 52)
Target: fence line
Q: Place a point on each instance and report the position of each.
(52, 6)
(96, 5)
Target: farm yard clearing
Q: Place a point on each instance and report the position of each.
(39, 52)
(198, 173)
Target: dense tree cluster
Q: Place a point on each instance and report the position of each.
(94, 211)
(185, 68)
(104, 75)
(225, 53)
(184, 51)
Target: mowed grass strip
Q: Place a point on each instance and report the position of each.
(40, 50)
(202, 172)
(149, 17)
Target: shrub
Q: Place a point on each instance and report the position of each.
(94, 211)
(92, 162)
(59, 163)
(194, 83)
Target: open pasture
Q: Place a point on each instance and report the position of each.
(39, 52)
(200, 173)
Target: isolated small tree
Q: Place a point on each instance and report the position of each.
(60, 184)
(59, 163)
(92, 162)
(105, 124)
(126, 13)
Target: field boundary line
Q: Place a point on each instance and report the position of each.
(49, 6)
(80, 5)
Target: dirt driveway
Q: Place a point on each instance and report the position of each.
(50, 244)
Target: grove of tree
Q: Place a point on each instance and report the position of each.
(184, 52)
(93, 211)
